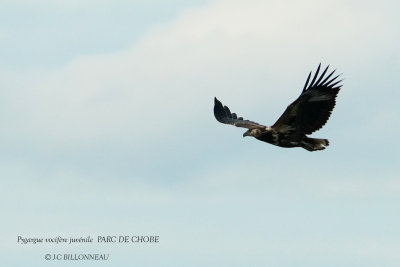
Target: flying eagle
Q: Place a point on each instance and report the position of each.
(307, 114)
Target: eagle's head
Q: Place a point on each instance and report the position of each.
(252, 132)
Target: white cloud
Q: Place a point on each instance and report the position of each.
(219, 49)
(242, 52)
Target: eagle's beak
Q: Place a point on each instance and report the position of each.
(246, 134)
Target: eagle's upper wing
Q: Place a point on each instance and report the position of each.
(224, 115)
(312, 109)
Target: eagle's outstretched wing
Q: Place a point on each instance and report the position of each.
(312, 109)
(224, 115)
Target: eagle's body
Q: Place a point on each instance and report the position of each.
(277, 138)
(307, 114)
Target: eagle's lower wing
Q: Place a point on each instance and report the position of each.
(224, 115)
(312, 109)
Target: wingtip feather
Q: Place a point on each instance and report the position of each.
(306, 84)
(315, 75)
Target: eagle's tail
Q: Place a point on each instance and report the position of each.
(313, 144)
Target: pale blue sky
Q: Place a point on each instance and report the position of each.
(47, 34)
(107, 128)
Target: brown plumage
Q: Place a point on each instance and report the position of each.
(307, 114)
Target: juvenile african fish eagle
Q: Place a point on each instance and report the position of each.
(307, 114)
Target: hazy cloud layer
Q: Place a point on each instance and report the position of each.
(128, 139)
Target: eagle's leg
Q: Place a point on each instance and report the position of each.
(313, 144)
